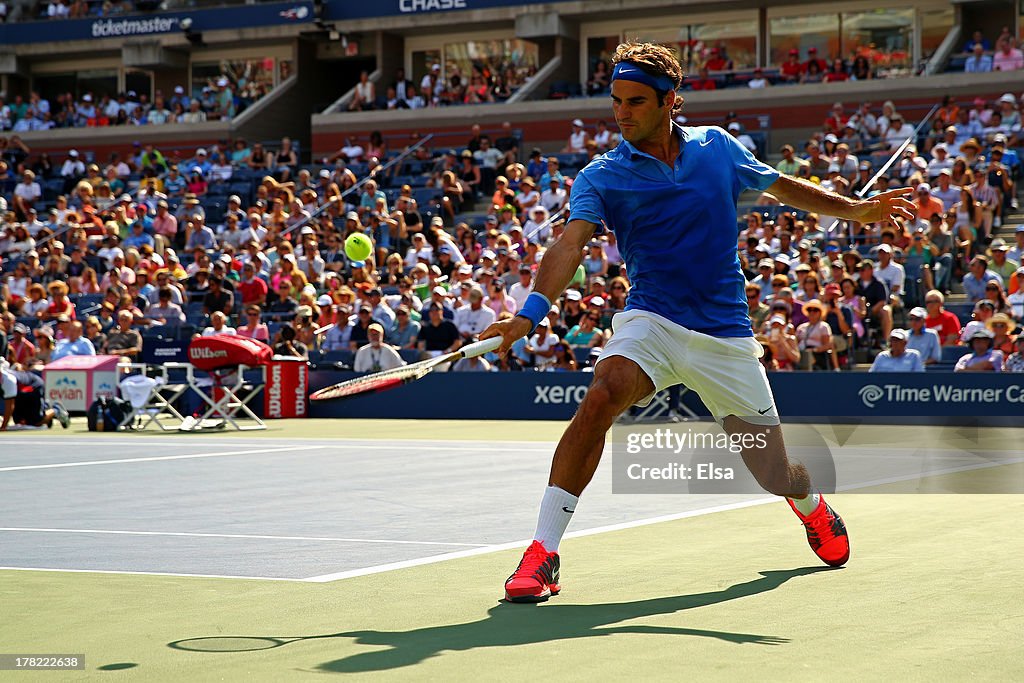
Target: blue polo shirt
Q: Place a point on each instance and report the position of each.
(676, 227)
(910, 361)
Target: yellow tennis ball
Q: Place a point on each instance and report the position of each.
(358, 246)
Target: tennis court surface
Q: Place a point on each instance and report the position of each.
(380, 547)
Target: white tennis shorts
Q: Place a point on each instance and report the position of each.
(726, 372)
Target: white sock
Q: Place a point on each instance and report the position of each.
(808, 504)
(556, 510)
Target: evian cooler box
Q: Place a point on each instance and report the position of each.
(77, 381)
(287, 391)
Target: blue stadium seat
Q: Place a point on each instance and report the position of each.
(410, 355)
(951, 354)
(88, 304)
(425, 196)
(346, 357)
(963, 310)
(31, 322)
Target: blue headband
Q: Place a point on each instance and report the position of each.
(628, 71)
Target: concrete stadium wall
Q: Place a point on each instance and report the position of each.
(795, 110)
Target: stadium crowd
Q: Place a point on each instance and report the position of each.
(246, 241)
(219, 99)
(486, 83)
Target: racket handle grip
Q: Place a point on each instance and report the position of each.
(481, 347)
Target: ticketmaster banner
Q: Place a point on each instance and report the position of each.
(868, 397)
(125, 26)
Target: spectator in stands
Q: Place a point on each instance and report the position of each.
(837, 72)
(586, 333)
(218, 325)
(123, 340)
(553, 197)
(875, 296)
(1007, 58)
(474, 318)
(542, 345)
(1015, 361)
(718, 60)
(898, 358)
(1001, 325)
(758, 81)
(217, 298)
(376, 356)
(980, 275)
(74, 344)
(735, 129)
(983, 312)
(288, 345)
(923, 339)
(978, 62)
(20, 350)
(166, 312)
(983, 358)
(861, 69)
(790, 163)
(404, 332)
(339, 337)
(812, 73)
(438, 336)
(782, 342)
(944, 322)
(1001, 265)
(365, 94)
(1016, 299)
(599, 80)
(898, 131)
(577, 143)
(703, 81)
(977, 40)
(792, 69)
(254, 328)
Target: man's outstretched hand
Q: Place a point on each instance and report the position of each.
(885, 206)
(509, 331)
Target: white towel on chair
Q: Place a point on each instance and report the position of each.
(138, 388)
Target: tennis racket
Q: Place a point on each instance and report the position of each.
(389, 379)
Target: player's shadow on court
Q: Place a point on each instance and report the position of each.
(508, 624)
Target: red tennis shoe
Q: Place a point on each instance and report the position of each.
(536, 577)
(826, 533)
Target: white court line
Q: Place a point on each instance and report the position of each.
(250, 536)
(216, 454)
(109, 571)
(392, 566)
(927, 475)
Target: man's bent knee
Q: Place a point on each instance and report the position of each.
(618, 383)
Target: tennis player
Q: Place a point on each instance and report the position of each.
(669, 195)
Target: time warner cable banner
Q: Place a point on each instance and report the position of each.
(863, 396)
(139, 25)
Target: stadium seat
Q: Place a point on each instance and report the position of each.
(559, 90)
(410, 355)
(88, 304)
(951, 354)
(346, 357)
